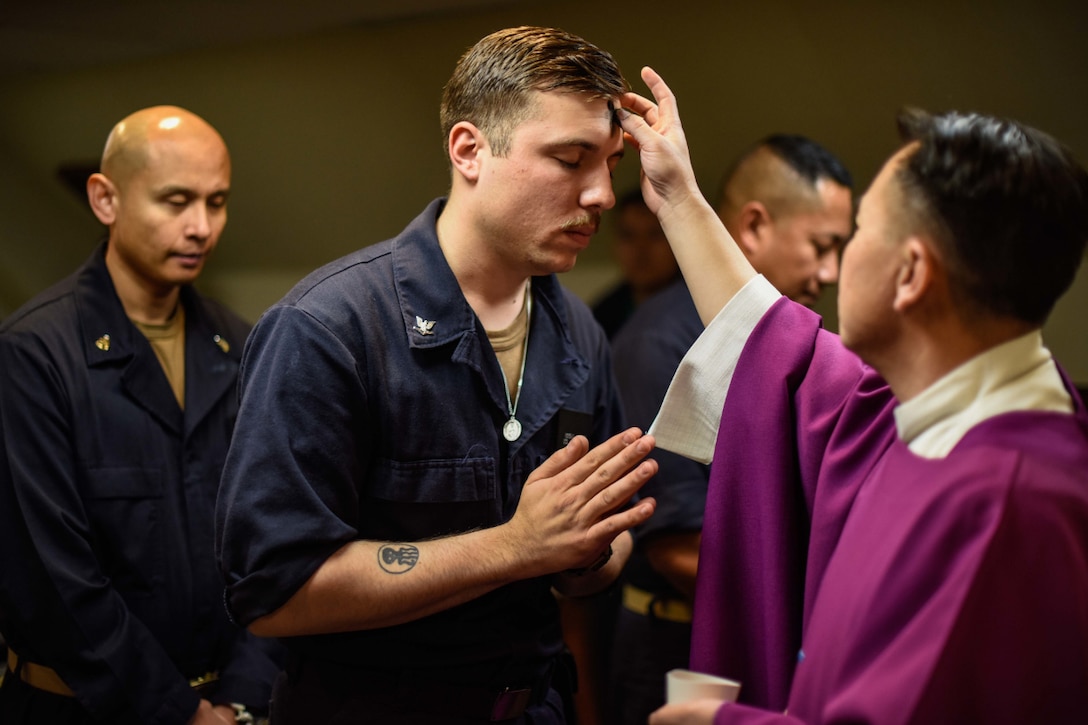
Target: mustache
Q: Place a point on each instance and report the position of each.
(585, 220)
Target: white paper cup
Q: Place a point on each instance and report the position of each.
(685, 685)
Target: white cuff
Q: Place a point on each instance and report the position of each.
(688, 420)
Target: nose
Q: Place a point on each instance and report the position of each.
(828, 271)
(598, 193)
(200, 226)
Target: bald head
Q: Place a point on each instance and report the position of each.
(130, 145)
(162, 192)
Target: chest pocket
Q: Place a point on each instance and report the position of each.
(125, 509)
(420, 499)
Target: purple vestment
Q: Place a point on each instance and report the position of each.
(937, 591)
(803, 422)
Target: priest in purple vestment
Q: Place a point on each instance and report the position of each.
(897, 521)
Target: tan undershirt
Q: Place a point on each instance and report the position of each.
(168, 342)
(509, 346)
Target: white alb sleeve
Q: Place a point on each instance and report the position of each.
(688, 420)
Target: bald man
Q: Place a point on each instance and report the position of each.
(117, 401)
(787, 202)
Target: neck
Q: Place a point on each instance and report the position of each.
(928, 355)
(493, 290)
(143, 302)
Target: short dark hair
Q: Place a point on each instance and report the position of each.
(1006, 204)
(782, 172)
(808, 158)
(491, 84)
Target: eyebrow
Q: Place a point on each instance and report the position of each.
(582, 144)
(171, 190)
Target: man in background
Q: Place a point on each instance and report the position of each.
(787, 202)
(644, 257)
(116, 407)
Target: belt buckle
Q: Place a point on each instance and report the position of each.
(199, 682)
(510, 704)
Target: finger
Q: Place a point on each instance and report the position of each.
(611, 497)
(640, 106)
(659, 88)
(578, 471)
(610, 470)
(644, 109)
(609, 527)
(561, 460)
(668, 110)
(636, 130)
(617, 475)
(572, 464)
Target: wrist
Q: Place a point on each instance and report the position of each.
(597, 565)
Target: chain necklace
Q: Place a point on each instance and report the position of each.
(511, 429)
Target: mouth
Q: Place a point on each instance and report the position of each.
(582, 228)
(578, 238)
(189, 260)
(581, 231)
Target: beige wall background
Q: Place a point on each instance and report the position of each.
(335, 143)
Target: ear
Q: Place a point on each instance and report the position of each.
(917, 274)
(753, 228)
(102, 196)
(466, 149)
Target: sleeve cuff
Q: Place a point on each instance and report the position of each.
(688, 420)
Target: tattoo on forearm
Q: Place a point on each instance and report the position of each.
(397, 558)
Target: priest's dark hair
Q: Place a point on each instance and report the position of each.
(1006, 204)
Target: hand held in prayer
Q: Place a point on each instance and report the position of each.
(569, 509)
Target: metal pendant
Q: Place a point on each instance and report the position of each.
(511, 429)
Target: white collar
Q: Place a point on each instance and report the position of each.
(1016, 375)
